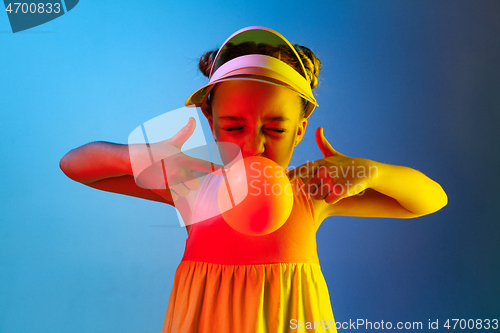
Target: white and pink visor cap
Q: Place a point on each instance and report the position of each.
(257, 67)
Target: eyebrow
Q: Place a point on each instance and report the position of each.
(268, 118)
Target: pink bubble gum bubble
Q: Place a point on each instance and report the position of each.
(255, 197)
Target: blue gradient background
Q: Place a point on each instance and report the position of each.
(413, 83)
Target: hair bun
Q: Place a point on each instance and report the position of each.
(206, 61)
(311, 64)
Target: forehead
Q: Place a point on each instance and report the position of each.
(245, 98)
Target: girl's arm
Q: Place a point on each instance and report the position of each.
(394, 191)
(412, 189)
(106, 166)
(342, 185)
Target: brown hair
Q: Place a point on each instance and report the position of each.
(231, 51)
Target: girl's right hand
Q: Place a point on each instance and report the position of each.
(170, 171)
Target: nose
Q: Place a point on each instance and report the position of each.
(253, 145)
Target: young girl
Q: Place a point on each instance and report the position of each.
(259, 97)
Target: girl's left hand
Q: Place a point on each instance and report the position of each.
(336, 176)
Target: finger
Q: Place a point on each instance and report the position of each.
(321, 191)
(323, 144)
(180, 189)
(180, 137)
(200, 165)
(305, 170)
(325, 185)
(174, 195)
(318, 186)
(311, 184)
(193, 184)
(334, 196)
(310, 187)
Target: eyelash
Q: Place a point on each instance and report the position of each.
(271, 129)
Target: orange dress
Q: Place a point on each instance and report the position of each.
(229, 282)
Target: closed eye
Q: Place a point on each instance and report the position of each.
(278, 130)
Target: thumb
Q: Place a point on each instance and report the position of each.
(325, 147)
(183, 135)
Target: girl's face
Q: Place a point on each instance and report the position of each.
(261, 118)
